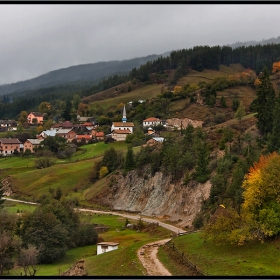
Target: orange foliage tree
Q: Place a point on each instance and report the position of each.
(276, 68)
(262, 196)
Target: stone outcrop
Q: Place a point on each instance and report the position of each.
(157, 196)
(78, 269)
(7, 186)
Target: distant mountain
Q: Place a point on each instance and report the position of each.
(84, 73)
(254, 43)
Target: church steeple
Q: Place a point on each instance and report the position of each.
(124, 115)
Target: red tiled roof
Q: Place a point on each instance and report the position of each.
(151, 119)
(84, 136)
(122, 124)
(99, 134)
(87, 124)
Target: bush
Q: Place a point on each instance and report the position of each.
(86, 235)
(198, 221)
(220, 118)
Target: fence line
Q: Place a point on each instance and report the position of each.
(183, 257)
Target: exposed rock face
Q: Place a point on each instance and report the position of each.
(158, 196)
(78, 269)
(7, 186)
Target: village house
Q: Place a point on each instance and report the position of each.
(104, 247)
(151, 122)
(6, 125)
(35, 118)
(119, 130)
(44, 134)
(87, 137)
(9, 145)
(31, 144)
(99, 135)
(69, 134)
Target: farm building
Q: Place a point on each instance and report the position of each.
(104, 247)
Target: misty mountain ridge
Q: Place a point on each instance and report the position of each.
(92, 73)
(272, 40)
(84, 73)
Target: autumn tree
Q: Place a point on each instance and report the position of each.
(23, 117)
(276, 68)
(83, 110)
(262, 196)
(103, 172)
(45, 107)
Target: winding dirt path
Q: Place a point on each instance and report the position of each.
(147, 254)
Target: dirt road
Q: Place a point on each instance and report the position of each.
(147, 254)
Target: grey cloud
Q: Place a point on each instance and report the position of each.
(36, 39)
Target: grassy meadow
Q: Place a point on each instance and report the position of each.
(256, 259)
(146, 92)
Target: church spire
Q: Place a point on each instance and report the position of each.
(124, 115)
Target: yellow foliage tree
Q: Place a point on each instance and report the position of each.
(177, 89)
(39, 129)
(262, 196)
(276, 68)
(103, 172)
(257, 82)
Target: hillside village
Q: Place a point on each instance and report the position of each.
(86, 131)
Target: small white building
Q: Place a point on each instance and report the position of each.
(151, 122)
(104, 247)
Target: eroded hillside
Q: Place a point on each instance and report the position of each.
(155, 196)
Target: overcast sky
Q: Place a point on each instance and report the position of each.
(36, 39)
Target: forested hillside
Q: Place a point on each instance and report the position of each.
(85, 74)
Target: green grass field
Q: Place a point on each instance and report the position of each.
(16, 207)
(258, 259)
(146, 92)
(120, 262)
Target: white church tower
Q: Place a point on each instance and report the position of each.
(124, 115)
(119, 130)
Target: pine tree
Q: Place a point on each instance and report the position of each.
(264, 103)
(129, 163)
(274, 138)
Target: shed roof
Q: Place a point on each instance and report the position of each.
(108, 243)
